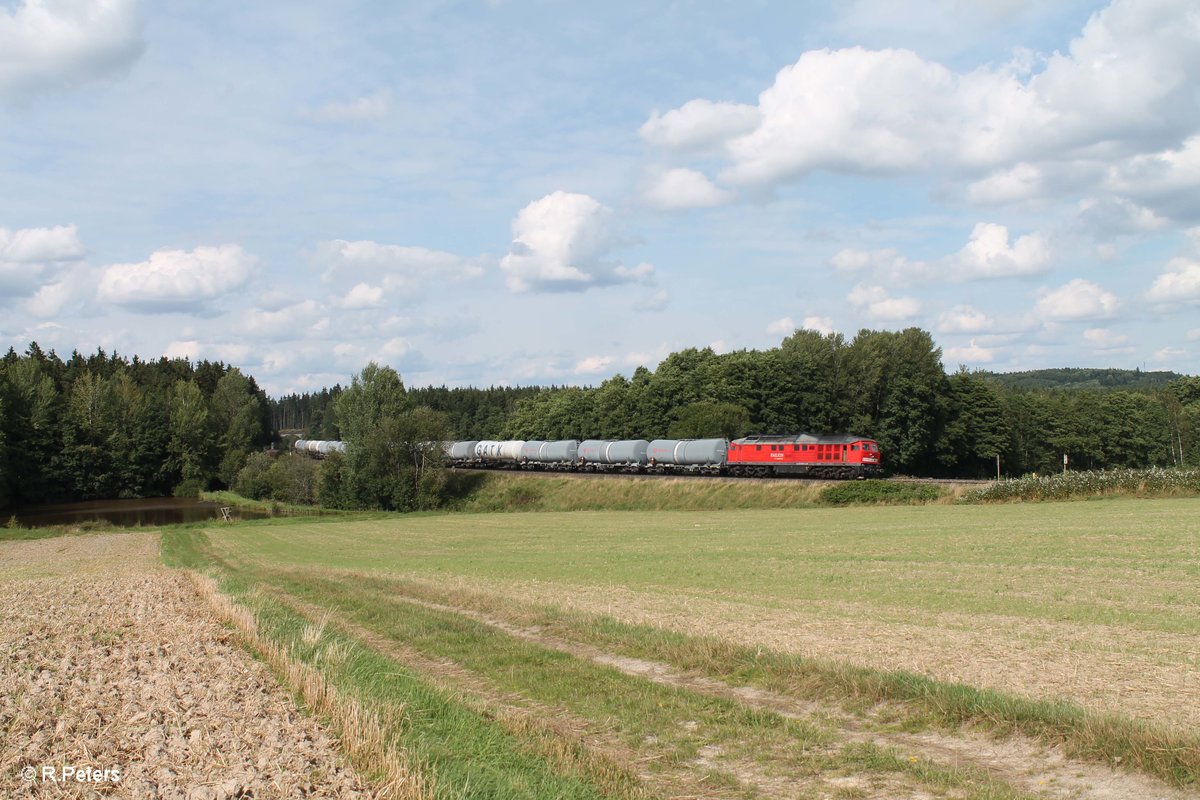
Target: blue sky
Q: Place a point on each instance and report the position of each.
(510, 192)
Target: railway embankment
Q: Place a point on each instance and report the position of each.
(489, 491)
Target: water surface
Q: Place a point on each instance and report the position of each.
(148, 512)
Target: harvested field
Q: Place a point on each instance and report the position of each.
(110, 661)
(979, 652)
(1140, 673)
(1089, 602)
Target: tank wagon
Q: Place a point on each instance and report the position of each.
(319, 448)
(804, 455)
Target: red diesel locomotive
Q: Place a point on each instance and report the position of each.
(837, 457)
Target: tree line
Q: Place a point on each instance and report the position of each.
(889, 385)
(103, 426)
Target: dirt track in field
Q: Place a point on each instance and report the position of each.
(1149, 675)
(1024, 763)
(109, 660)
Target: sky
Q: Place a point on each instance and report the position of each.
(527, 192)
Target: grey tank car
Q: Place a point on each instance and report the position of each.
(704, 456)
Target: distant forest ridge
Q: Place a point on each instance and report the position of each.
(102, 425)
(891, 386)
(1082, 378)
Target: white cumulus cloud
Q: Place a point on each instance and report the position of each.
(782, 327)
(1179, 283)
(172, 280)
(1079, 299)
(406, 270)
(875, 301)
(680, 188)
(30, 257)
(33, 245)
(885, 262)
(822, 325)
(564, 242)
(699, 125)
(593, 364)
(965, 319)
(1123, 87)
(973, 353)
(290, 322)
(363, 295)
(988, 254)
(61, 43)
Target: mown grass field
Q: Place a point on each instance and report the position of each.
(858, 652)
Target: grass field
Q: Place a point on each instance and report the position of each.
(925, 651)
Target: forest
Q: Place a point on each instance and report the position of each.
(104, 426)
(889, 385)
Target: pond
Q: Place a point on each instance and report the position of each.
(148, 512)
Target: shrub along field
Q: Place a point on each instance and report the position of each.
(926, 650)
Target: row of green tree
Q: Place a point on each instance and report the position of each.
(889, 385)
(106, 426)
(103, 426)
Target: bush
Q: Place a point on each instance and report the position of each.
(192, 487)
(293, 479)
(878, 492)
(1075, 485)
(252, 480)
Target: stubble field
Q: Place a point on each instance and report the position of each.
(1045, 650)
(112, 663)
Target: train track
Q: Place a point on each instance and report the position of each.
(649, 476)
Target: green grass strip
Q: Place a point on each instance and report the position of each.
(677, 720)
(468, 755)
(1164, 753)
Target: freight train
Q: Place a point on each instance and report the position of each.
(803, 455)
(838, 457)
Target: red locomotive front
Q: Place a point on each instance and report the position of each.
(836, 456)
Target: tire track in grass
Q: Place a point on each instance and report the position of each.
(1017, 760)
(875, 771)
(462, 752)
(579, 746)
(586, 746)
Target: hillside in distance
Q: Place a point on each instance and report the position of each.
(1082, 378)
